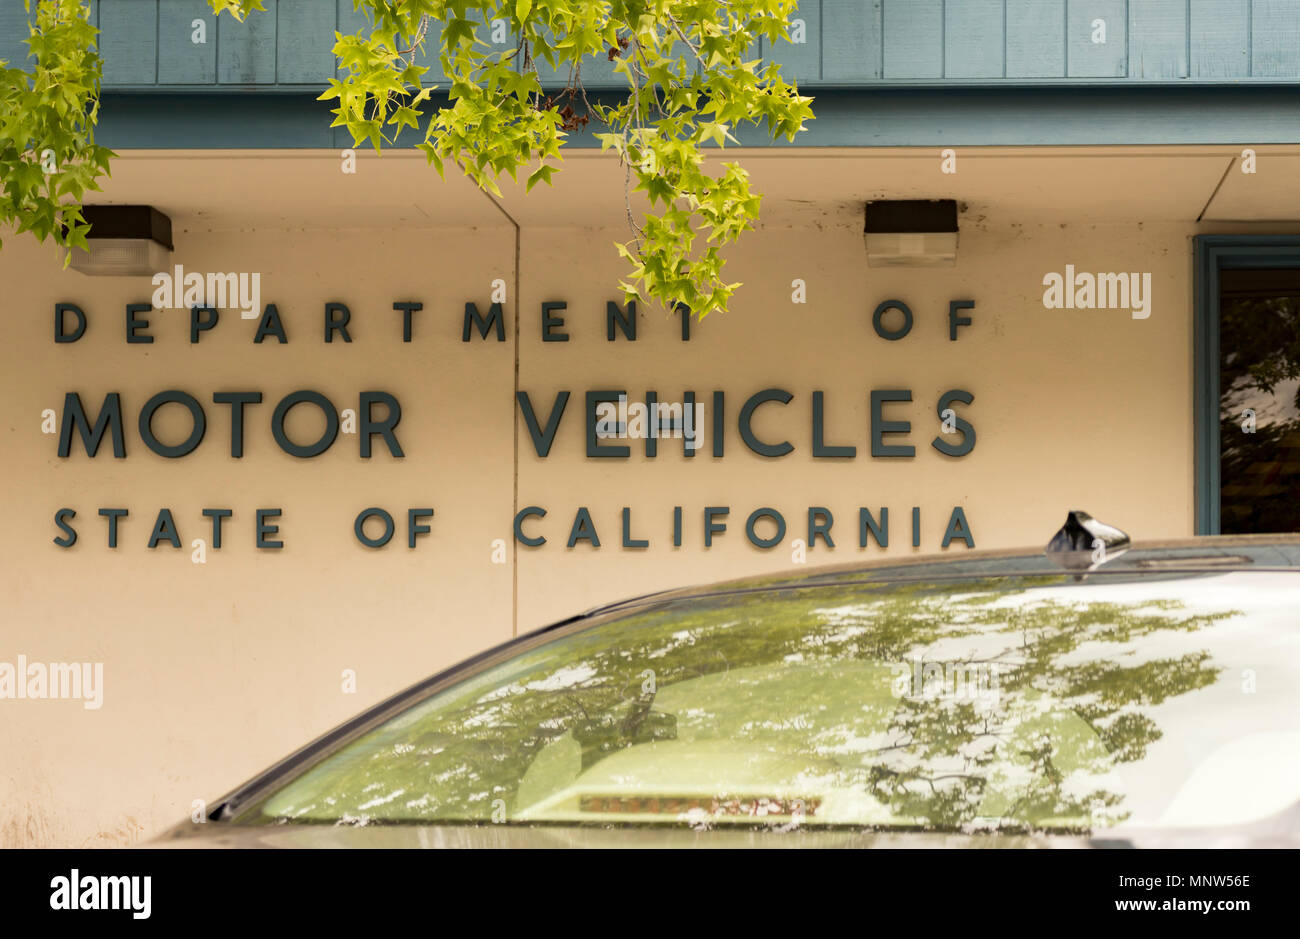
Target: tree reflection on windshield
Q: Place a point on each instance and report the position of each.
(860, 705)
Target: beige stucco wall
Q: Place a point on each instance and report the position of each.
(1060, 399)
(212, 671)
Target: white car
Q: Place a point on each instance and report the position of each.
(1094, 694)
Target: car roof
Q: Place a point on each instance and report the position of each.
(1204, 553)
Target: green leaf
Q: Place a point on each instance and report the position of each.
(541, 174)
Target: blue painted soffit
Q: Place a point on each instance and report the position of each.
(1041, 115)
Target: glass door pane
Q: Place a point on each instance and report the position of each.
(1259, 400)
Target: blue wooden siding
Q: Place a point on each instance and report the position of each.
(973, 45)
(182, 60)
(913, 39)
(1274, 37)
(1096, 37)
(1158, 38)
(128, 41)
(1035, 38)
(155, 44)
(851, 42)
(1220, 38)
(246, 52)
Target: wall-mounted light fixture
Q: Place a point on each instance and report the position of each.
(911, 233)
(124, 240)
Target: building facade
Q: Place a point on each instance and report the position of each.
(380, 449)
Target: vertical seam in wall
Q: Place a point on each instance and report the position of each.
(821, 41)
(157, 39)
(943, 38)
(1004, 38)
(216, 49)
(514, 411)
(1222, 179)
(1187, 37)
(275, 59)
(1128, 19)
(1065, 37)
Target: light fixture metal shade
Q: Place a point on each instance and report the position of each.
(124, 240)
(911, 233)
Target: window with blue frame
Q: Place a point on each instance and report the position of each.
(1248, 384)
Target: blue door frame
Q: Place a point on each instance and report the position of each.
(1214, 253)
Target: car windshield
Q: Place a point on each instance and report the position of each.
(1017, 704)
